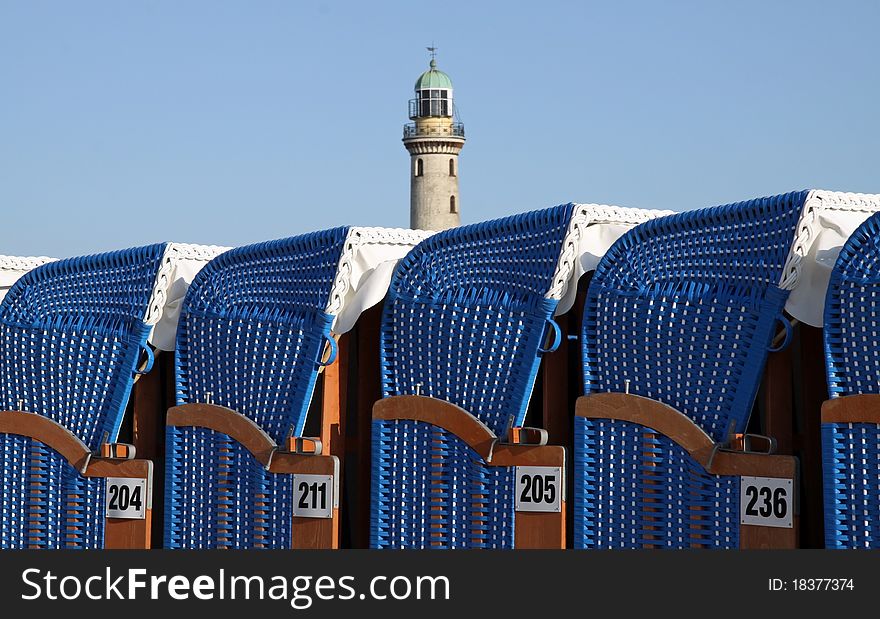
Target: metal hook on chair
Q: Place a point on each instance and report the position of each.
(720, 445)
(334, 350)
(557, 337)
(151, 358)
(786, 323)
(495, 441)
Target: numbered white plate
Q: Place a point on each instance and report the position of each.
(126, 498)
(766, 501)
(538, 489)
(313, 496)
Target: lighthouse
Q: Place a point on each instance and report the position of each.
(433, 140)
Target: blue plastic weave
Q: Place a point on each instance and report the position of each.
(71, 333)
(636, 488)
(464, 321)
(685, 308)
(221, 496)
(431, 490)
(466, 313)
(682, 309)
(251, 334)
(851, 482)
(851, 452)
(852, 358)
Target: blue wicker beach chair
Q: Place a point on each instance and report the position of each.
(851, 418)
(468, 315)
(254, 331)
(679, 318)
(72, 333)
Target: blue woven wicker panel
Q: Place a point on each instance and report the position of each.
(70, 336)
(852, 317)
(466, 312)
(251, 333)
(851, 452)
(850, 462)
(685, 308)
(431, 490)
(219, 496)
(635, 488)
(253, 328)
(46, 503)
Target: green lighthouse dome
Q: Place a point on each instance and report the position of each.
(433, 78)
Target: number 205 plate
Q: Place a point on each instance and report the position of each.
(766, 501)
(538, 489)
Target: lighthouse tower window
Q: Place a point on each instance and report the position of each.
(434, 102)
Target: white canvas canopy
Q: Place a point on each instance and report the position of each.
(827, 221)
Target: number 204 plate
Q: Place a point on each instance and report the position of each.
(126, 498)
(766, 501)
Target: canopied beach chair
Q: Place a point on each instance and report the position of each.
(72, 333)
(467, 318)
(154, 393)
(256, 327)
(851, 418)
(679, 318)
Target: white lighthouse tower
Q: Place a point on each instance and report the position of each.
(433, 141)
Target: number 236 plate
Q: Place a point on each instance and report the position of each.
(766, 501)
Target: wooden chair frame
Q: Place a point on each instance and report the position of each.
(531, 529)
(716, 460)
(119, 533)
(307, 533)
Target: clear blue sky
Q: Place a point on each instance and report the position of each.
(123, 123)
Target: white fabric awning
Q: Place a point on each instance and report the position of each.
(365, 269)
(827, 221)
(182, 263)
(593, 230)
(370, 262)
(362, 279)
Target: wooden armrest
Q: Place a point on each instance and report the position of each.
(307, 532)
(651, 414)
(860, 408)
(229, 422)
(682, 430)
(469, 429)
(533, 529)
(116, 460)
(441, 414)
(50, 433)
(658, 417)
